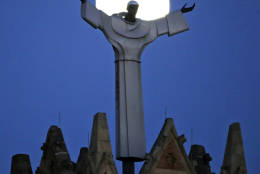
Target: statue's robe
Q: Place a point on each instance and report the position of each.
(128, 41)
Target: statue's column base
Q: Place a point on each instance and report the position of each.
(128, 167)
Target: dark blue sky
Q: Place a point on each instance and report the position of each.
(52, 61)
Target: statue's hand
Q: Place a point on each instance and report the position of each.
(188, 9)
(83, 1)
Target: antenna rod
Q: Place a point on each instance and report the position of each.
(165, 112)
(191, 136)
(59, 119)
(88, 140)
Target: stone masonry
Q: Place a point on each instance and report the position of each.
(234, 160)
(167, 155)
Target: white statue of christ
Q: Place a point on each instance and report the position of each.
(129, 36)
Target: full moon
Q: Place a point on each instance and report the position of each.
(148, 9)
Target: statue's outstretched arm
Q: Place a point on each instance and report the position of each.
(185, 9)
(173, 23)
(91, 14)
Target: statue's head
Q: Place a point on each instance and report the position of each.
(132, 8)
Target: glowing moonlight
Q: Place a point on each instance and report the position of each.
(148, 10)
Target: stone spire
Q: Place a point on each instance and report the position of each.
(100, 151)
(200, 159)
(55, 158)
(21, 164)
(100, 140)
(168, 154)
(84, 164)
(234, 160)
